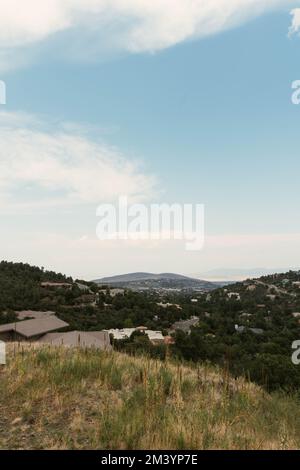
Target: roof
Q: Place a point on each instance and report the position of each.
(127, 332)
(96, 339)
(35, 327)
(167, 304)
(185, 325)
(56, 284)
(33, 314)
(122, 333)
(154, 335)
(256, 331)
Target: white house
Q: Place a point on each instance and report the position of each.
(123, 333)
(154, 336)
(234, 295)
(167, 304)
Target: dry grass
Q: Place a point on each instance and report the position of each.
(70, 399)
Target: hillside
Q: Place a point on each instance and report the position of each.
(20, 285)
(163, 281)
(63, 399)
(251, 326)
(248, 327)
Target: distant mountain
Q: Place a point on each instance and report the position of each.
(132, 277)
(162, 281)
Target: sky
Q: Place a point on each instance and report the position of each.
(182, 101)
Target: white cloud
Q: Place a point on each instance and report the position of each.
(295, 26)
(42, 166)
(131, 25)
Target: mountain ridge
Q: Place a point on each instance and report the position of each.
(137, 276)
(144, 280)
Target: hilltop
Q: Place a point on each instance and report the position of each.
(162, 281)
(70, 399)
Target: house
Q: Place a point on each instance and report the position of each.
(79, 339)
(257, 331)
(113, 291)
(244, 329)
(234, 295)
(167, 305)
(296, 284)
(296, 315)
(154, 336)
(185, 325)
(57, 285)
(31, 330)
(123, 333)
(194, 301)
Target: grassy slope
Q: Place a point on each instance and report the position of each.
(58, 399)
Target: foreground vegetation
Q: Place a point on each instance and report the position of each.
(71, 399)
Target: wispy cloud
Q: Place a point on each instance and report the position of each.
(42, 166)
(130, 25)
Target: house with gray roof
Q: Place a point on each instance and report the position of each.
(185, 325)
(31, 330)
(78, 339)
(244, 329)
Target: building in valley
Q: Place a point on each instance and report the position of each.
(78, 339)
(31, 330)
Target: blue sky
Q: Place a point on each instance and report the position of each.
(205, 120)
